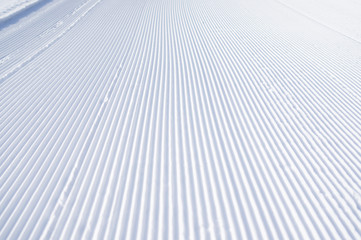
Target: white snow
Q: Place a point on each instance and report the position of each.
(9, 8)
(181, 119)
(341, 15)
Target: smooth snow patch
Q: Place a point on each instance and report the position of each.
(342, 16)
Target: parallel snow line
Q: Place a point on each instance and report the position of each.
(18, 10)
(15, 41)
(187, 120)
(37, 52)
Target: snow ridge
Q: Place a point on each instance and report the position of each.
(11, 8)
(168, 119)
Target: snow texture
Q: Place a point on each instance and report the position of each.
(180, 119)
(10, 8)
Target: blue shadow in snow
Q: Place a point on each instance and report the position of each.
(22, 13)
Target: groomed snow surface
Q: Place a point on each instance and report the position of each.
(181, 119)
(10, 8)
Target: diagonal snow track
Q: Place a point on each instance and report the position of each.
(167, 119)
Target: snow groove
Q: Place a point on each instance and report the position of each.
(11, 70)
(168, 119)
(12, 8)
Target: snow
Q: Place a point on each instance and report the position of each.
(9, 8)
(342, 16)
(181, 119)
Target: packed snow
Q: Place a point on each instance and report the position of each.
(9, 8)
(180, 119)
(342, 16)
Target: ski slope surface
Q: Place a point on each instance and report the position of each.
(10, 8)
(181, 119)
